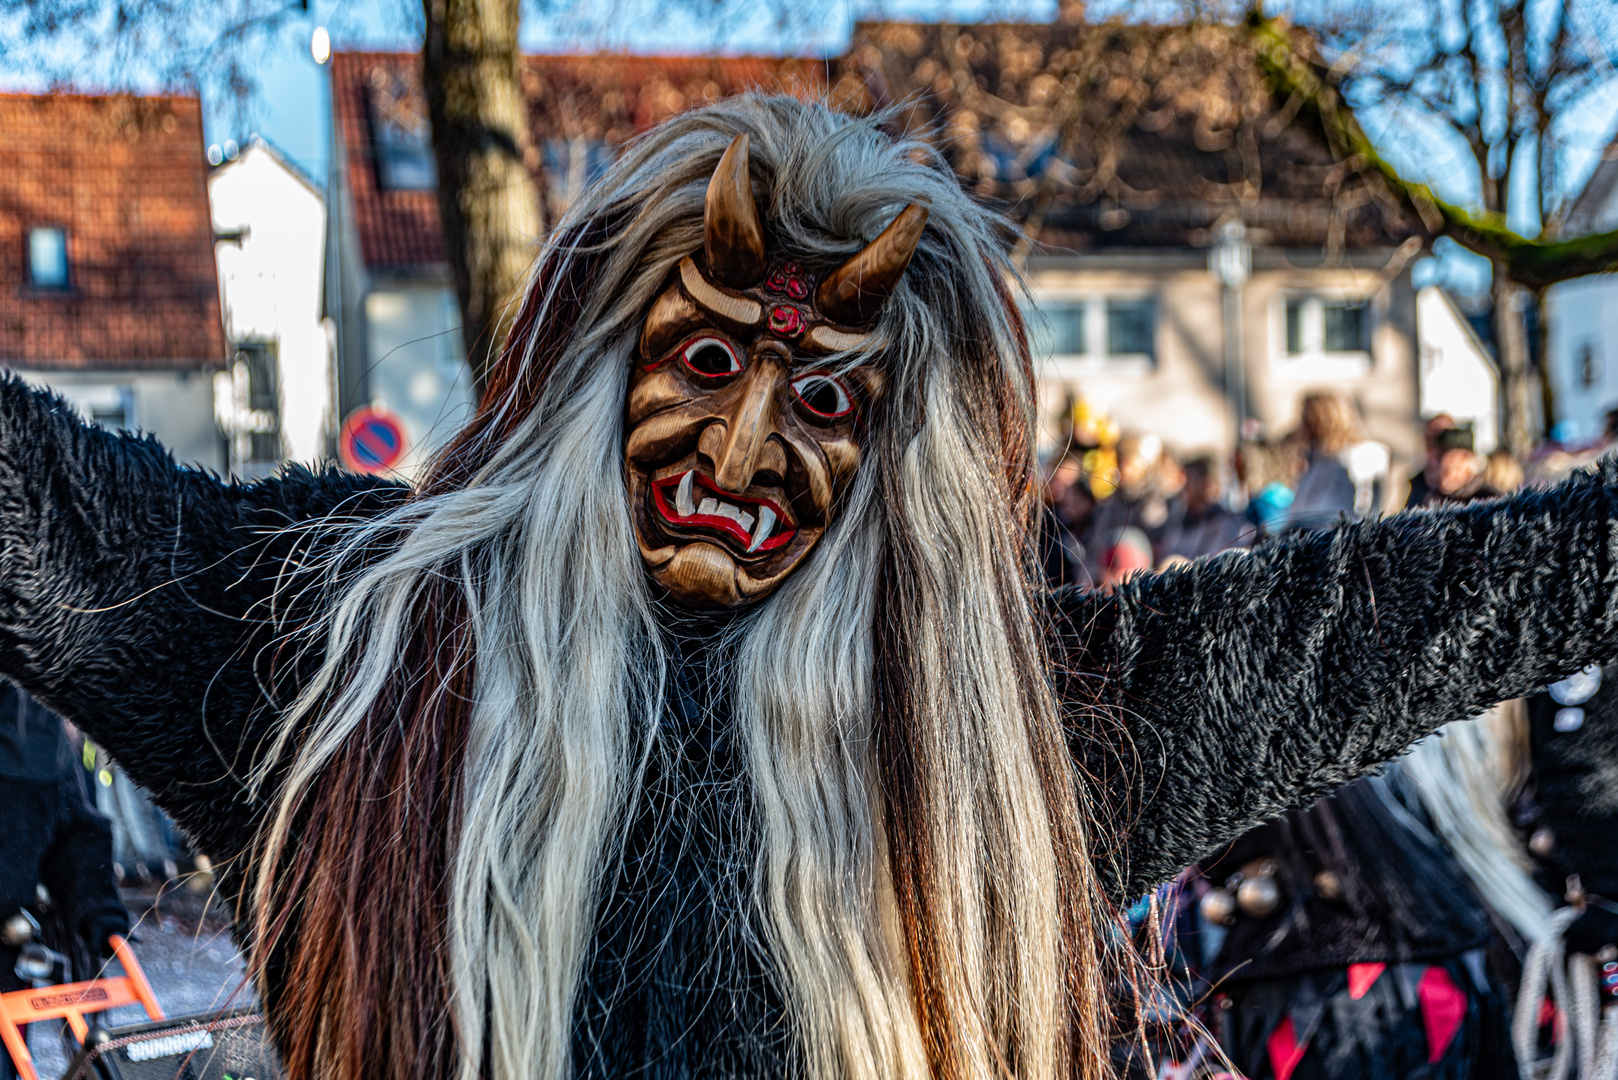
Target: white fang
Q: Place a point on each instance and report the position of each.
(682, 498)
(766, 524)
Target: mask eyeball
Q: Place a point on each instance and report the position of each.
(710, 357)
(823, 395)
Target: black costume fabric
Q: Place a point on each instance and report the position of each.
(51, 836)
(141, 600)
(1571, 800)
(1366, 891)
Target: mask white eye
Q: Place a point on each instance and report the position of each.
(822, 395)
(710, 356)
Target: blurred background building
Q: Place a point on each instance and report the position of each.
(108, 291)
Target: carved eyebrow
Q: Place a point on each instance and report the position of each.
(736, 309)
(825, 339)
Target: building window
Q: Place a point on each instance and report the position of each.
(1129, 328)
(1345, 326)
(404, 152)
(1058, 329)
(1099, 333)
(1326, 337)
(1589, 365)
(47, 257)
(247, 406)
(1314, 325)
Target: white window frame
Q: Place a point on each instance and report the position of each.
(1094, 360)
(1314, 362)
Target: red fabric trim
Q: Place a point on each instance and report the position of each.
(1361, 977)
(1443, 1007)
(1285, 1050)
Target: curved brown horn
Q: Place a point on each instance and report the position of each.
(734, 236)
(856, 292)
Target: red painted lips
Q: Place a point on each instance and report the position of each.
(690, 500)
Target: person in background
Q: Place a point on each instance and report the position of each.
(50, 836)
(1204, 526)
(1503, 472)
(1426, 480)
(1127, 552)
(1149, 479)
(1345, 473)
(1462, 474)
(1067, 500)
(1267, 472)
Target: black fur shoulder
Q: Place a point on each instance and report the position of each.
(139, 598)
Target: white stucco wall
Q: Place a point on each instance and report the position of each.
(417, 364)
(1582, 318)
(270, 285)
(1457, 375)
(176, 406)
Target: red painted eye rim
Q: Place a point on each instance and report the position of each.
(848, 395)
(684, 351)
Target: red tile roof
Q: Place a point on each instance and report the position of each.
(125, 177)
(600, 98)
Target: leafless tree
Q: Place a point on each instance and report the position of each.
(1498, 79)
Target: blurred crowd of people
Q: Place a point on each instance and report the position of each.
(1117, 505)
(1453, 917)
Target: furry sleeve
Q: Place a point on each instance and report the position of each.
(135, 598)
(1205, 700)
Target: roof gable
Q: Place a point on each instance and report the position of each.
(125, 178)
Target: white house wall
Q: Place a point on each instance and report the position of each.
(175, 406)
(1582, 316)
(1181, 397)
(1457, 376)
(271, 286)
(417, 368)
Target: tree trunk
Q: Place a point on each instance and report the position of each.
(488, 203)
(1516, 392)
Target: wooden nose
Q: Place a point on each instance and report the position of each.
(749, 424)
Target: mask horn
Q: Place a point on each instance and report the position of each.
(855, 293)
(734, 236)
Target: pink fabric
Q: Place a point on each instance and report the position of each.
(1443, 1007)
(1285, 1050)
(1361, 977)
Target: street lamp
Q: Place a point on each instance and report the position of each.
(1231, 262)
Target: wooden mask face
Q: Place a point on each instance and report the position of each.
(740, 439)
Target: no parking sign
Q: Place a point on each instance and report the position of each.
(371, 441)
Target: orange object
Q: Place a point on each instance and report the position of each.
(70, 1001)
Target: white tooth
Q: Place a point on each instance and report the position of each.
(744, 519)
(766, 523)
(682, 498)
(709, 506)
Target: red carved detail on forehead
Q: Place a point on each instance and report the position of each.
(790, 279)
(786, 321)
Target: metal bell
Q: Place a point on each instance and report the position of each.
(16, 930)
(1328, 886)
(1218, 907)
(1258, 896)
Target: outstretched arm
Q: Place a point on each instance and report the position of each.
(1205, 700)
(136, 598)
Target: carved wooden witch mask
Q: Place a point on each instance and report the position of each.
(740, 438)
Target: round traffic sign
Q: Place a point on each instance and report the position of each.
(371, 441)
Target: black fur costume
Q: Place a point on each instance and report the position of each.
(136, 599)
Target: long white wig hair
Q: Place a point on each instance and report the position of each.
(489, 673)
